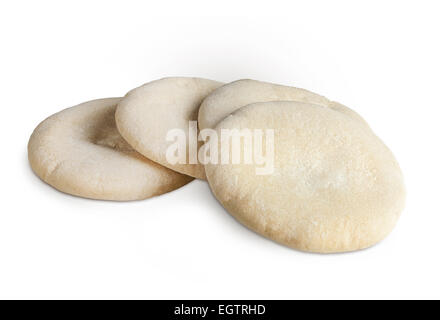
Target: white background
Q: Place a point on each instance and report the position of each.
(379, 57)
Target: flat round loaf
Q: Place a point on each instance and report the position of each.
(232, 96)
(335, 186)
(146, 115)
(79, 151)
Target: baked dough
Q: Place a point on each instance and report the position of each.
(79, 151)
(335, 187)
(232, 96)
(146, 114)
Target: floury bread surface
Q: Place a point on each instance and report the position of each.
(232, 96)
(335, 187)
(79, 151)
(147, 114)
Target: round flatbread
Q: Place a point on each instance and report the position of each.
(232, 96)
(147, 115)
(79, 151)
(335, 186)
